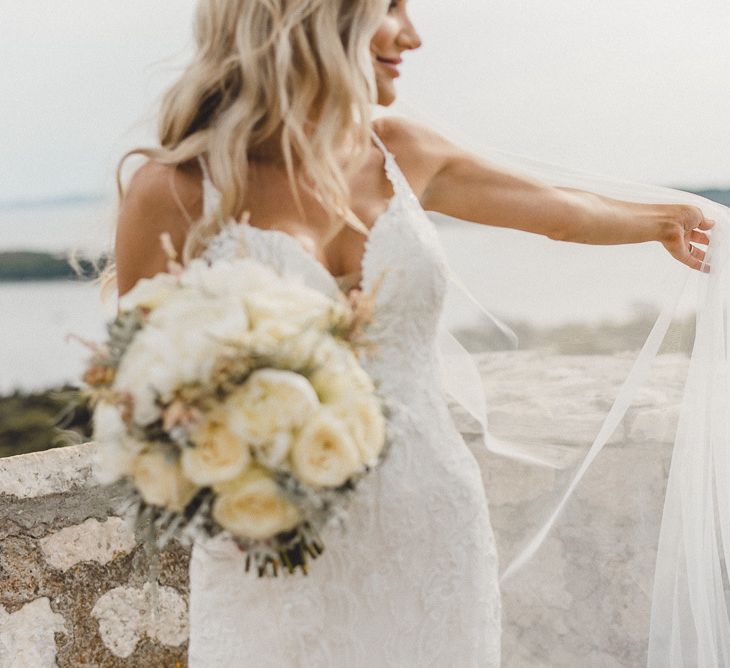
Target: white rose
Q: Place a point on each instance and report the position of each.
(365, 421)
(107, 423)
(338, 373)
(324, 453)
(149, 367)
(228, 277)
(111, 461)
(253, 506)
(270, 402)
(178, 345)
(284, 310)
(218, 453)
(149, 292)
(160, 480)
(194, 273)
(199, 319)
(116, 450)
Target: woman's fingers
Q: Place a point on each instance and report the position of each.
(692, 256)
(695, 226)
(696, 252)
(699, 237)
(695, 258)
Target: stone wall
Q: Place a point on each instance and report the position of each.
(585, 599)
(73, 577)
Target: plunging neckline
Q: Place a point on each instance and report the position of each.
(364, 270)
(390, 167)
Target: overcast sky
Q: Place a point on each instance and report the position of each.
(632, 88)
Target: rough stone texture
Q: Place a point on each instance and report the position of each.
(31, 477)
(99, 541)
(28, 635)
(69, 563)
(63, 547)
(125, 614)
(585, 599)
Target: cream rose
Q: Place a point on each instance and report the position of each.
(338, 374)
(275, 451)
(324, 453)
(287, 309)
(270, 402)
(365, 421)
(253, 506)
(297, 351)
(218, 453)
(160, 480)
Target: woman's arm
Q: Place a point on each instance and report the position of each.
(461, 184)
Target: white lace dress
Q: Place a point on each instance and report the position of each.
(412, 581)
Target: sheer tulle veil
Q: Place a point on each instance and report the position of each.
(607, 474)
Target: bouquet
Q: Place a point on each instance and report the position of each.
(231, 398)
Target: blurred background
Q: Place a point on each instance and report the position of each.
(636, 90)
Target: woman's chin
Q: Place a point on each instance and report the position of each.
(386, 96)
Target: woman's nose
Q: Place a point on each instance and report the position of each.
(408, 38)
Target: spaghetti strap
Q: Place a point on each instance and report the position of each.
(391, 167)
(379, 142)
(204, 167)
(210, 194)
(401, 186)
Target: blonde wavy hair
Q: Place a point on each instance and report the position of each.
(300, 70)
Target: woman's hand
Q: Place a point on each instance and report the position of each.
(686, 226)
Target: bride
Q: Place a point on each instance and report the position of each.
(274, 117)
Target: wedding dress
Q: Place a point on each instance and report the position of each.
(412, 579)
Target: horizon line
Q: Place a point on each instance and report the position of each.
(90, 198)
(52, 201)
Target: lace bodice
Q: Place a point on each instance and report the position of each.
(412, 580)
(410, 298)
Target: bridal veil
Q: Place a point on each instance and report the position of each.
(608, 466)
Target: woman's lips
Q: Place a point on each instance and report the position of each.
(390, 64)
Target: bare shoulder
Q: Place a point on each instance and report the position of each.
(419, 150)
(165, 188)
(404, 133)
(159, 198)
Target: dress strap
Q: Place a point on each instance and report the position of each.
(391, 167)
(400, 184)
(379, 142)
(211, 196)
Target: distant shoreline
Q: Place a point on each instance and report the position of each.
(24, 266)
(719, 195)
(51, 202)
(20, 266)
